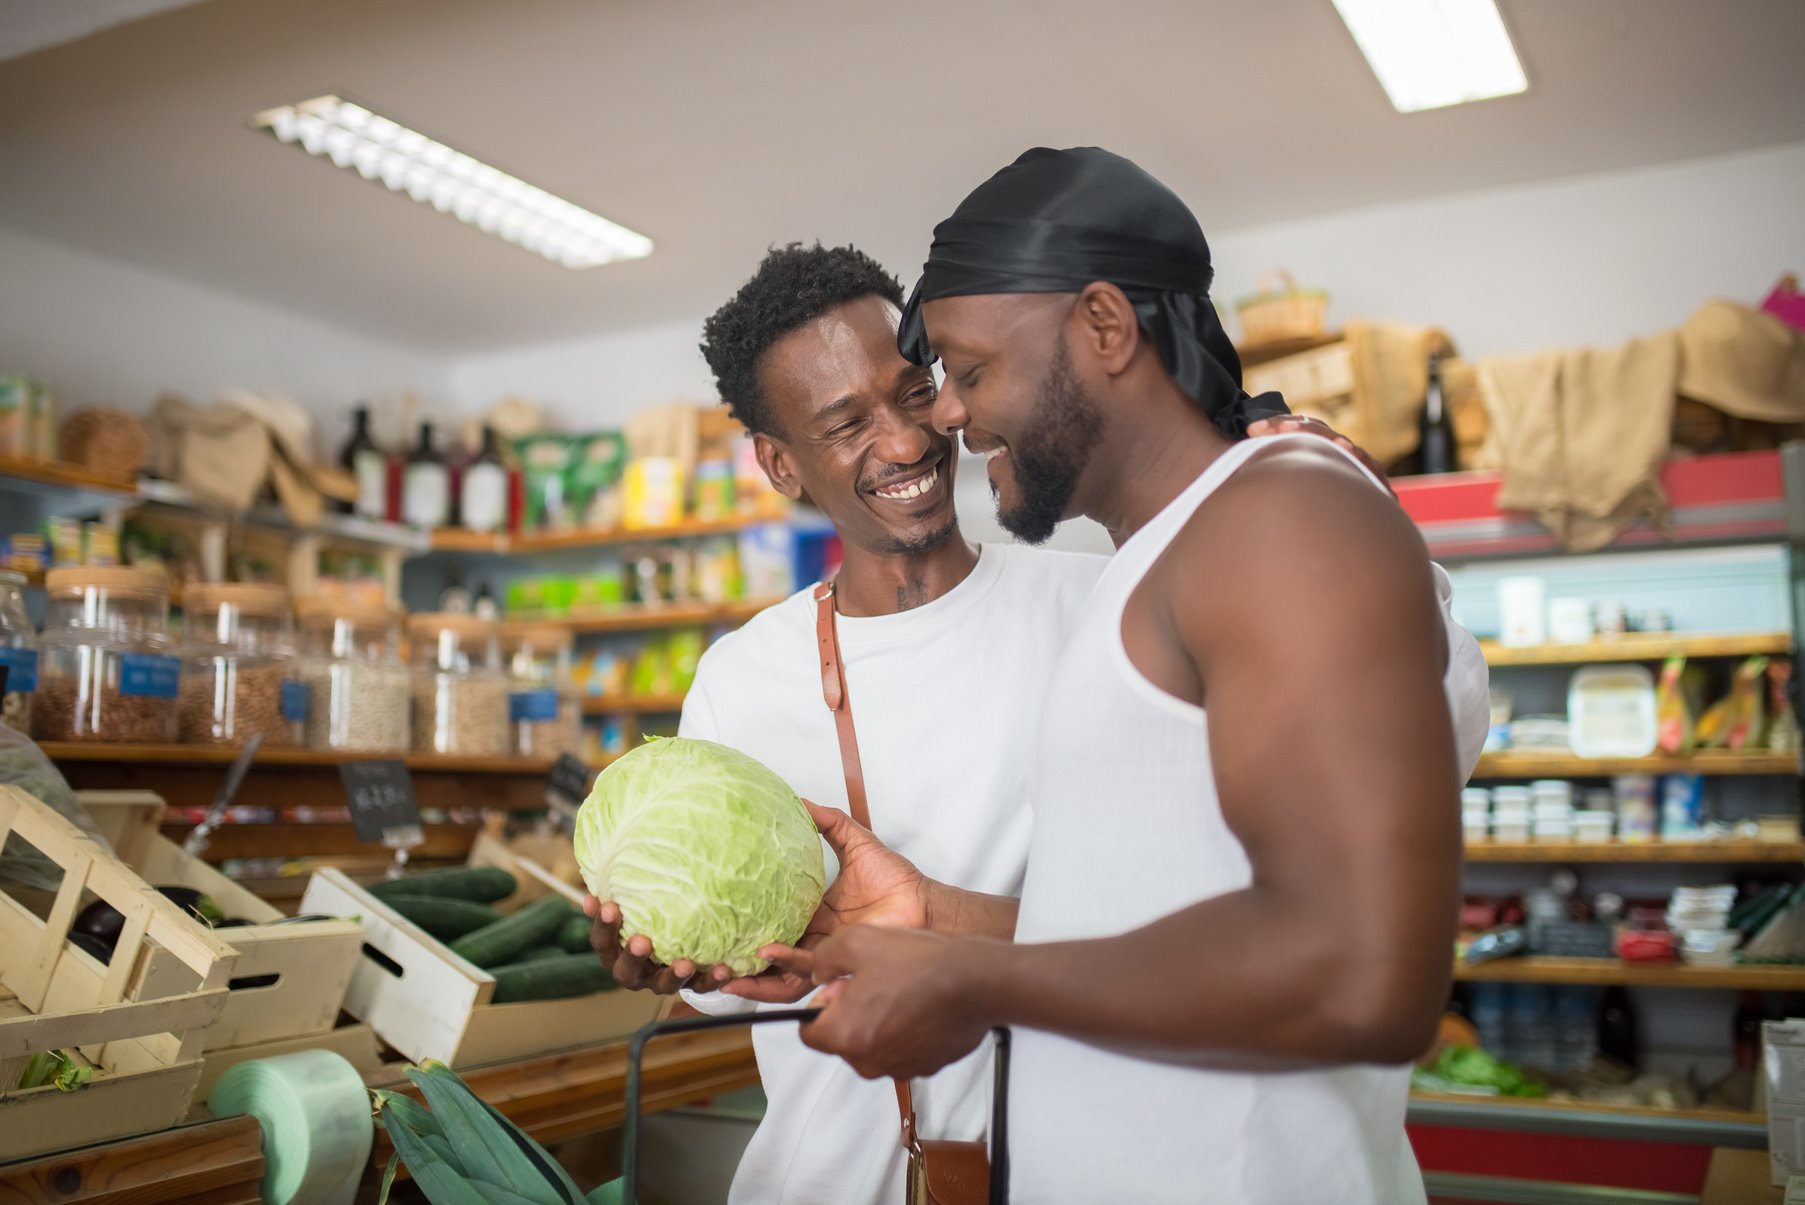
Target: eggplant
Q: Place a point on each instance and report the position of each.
(102, 921)
(87, 943)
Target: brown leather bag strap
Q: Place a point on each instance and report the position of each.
(839, 701)
(833, 692)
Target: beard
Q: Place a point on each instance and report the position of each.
(915, 545)
(1050, 457)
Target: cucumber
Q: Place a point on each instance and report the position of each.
(512, 936)
(551, 979)
(573, 935)
(445, 918)
(479, 884)
(538, 954)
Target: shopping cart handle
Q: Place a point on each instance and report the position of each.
(999, 1101)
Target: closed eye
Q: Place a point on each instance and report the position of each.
(922, 396)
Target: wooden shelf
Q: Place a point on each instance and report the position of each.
(638, 704)
(1592, 1107)
(1264, 353)
(448, 539)
(1639, 646)
(330, 841)
(1535, 764)
(62, 475)
(644, 619)
(206, 755)
(1614, 971)
(1725, 852)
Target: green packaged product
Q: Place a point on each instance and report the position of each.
(544, 468)
(592, 475)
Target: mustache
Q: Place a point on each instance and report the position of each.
(906, 470)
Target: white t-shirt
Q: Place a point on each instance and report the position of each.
(946, 698)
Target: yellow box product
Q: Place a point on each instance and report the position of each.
(654, 492)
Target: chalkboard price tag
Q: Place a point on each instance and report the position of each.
(569, 785)
(381, 796)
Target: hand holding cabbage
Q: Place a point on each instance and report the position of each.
(706, 853)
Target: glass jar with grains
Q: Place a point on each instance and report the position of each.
(357, 685)
(460, 692)
(238, 666)
(545, 716)
(106, 664)
(18, 652)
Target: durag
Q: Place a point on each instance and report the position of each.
(1057, 221)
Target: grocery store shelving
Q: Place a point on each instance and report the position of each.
(101, 751)
(1605, 972)
(526, 543)
(61, 475)
(1536, 1112)
(1722, 852)
(1550, 764)
(644, 618)
(639, 704)
(1638, 646)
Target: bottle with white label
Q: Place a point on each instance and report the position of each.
(368, 466)
(426, 485)
(483, 500)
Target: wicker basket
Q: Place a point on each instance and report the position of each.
(1275, 315)
(103, 438)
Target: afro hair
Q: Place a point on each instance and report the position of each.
(793, 286)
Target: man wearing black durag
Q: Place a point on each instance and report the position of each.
(1244, 864)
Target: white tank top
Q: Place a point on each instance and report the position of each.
(1127, 829)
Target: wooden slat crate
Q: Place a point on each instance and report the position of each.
(145, 1053)
(312, 962)
(427, 1002)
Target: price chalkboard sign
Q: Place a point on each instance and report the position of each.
(569, 782)
(381, 796)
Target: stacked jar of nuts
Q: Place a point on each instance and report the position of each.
(106, 664)
(238, 671)
(18, 652)
(460, 691)
(544, 714)
(357, 685)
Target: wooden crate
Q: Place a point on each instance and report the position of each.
(145, 1053)
(353, 1041)
(312, 962)
(550, 851)
(427, 1002)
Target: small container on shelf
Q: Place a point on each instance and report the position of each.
(1593, 827)
(545, 717)
(358, 688)
(239, 672)
(106, 664)
(18, 652)
(460, 691)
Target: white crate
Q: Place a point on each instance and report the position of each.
(427, 1002)
(312, 962)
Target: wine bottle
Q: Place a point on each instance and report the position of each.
(426, 485)
(1437, 428)
(484, 492)
(368, 466)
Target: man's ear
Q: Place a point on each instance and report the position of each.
(779, 466)
(1107, 326)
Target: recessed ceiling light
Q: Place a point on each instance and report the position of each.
(1432, 53)
(406, 161)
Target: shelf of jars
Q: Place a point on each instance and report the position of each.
(1617, 971)
(527, 543)
(1528, 763)
(1728, 852)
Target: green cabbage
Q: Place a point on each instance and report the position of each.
(707, 852)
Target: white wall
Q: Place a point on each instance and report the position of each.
(1593, 260)
(104, 332)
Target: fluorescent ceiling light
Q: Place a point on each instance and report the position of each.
(1432, 53)
(432, 173)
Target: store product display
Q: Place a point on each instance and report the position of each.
(239, 673)
(545, 715)
(460, 695)
(106, 670)
(358, 690)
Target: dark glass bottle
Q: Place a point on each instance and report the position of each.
(1436, 428)
(1617, 1032)
(426, 485)
(483, 492)
(368, 466)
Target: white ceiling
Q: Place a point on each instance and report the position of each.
(720, 126)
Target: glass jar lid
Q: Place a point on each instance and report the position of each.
(251, 598)
(149, 584)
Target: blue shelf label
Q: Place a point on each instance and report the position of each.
(294, 701)
(532, 706)
(148, 675)
(21, 669)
